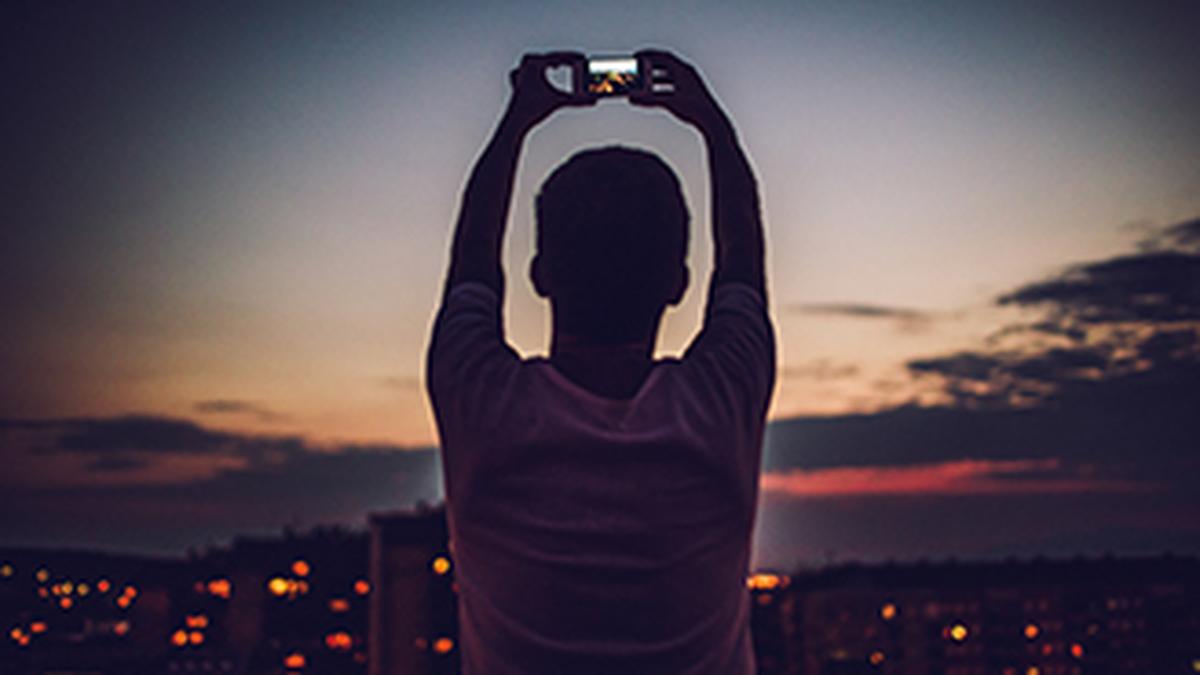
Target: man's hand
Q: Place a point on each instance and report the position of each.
(738, 242)
(533, 97)
(676, 86)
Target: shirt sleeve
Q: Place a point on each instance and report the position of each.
(733, 357)
(469, 365)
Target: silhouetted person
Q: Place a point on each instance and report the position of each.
(601, 502)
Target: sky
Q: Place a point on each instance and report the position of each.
(226, 227)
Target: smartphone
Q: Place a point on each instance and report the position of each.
(612, 76)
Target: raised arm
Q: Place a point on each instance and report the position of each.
(736, 223)
(479, 234)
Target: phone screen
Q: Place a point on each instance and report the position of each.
(613, 76)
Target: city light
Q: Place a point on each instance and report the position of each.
(38, 627)
(42, 575)
(876, 657)
(221, 588)
(362, 587)
(443, 645)
(6, 570)
(440, 565)
(1031, 631)
(197, 621)
(1033, 670)
(294, 660)
(196, 638)
(1077, 650)
(888, 611)
(103, 585)
(121, 628)
(766, 582)
(66, 603)
(958, 632)
(278, 586)
(179, 638)
(130, 592)
(123, 602)
(301, 568)
(83, 589)
(339, 605)
(339, 641)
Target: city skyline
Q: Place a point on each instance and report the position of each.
(983, 241)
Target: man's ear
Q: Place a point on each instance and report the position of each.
(681, 284)
(537, 274)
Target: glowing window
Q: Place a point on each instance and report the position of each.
(888, 611)
(443, 645)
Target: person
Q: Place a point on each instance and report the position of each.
(601, 502)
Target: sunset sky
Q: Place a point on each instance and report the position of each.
(227, 226)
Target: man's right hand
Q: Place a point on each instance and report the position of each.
(680, 90)
(533, 97)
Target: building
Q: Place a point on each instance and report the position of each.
(413, 622)
(1040, 617)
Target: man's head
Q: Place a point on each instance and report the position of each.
(612, 237)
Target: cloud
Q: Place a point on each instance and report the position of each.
(956, 477)
(127, 433)
(1100, 320)
(862, 311)
(1159, 287)
(236, 407)
(167, 483)
(966, 365)
(821, 370)
(1180, 236)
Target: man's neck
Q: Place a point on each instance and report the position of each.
(613, 366)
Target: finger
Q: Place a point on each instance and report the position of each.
(655, 54)
(562, 58)
(647, 98)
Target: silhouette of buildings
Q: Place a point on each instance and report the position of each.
(413, 627)
(383, 603)
(1040, 617)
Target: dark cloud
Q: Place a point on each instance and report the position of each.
(965, 365)
(1112, 465)
(1140, 422)
(1058, 364)
(1121, 393)
(1181, 236)
(863, 311)
(236, 407)
(107, 464)
(1158, 287)
(1159, 284)
(1100, 320)
(278, 480)
(133, 433)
